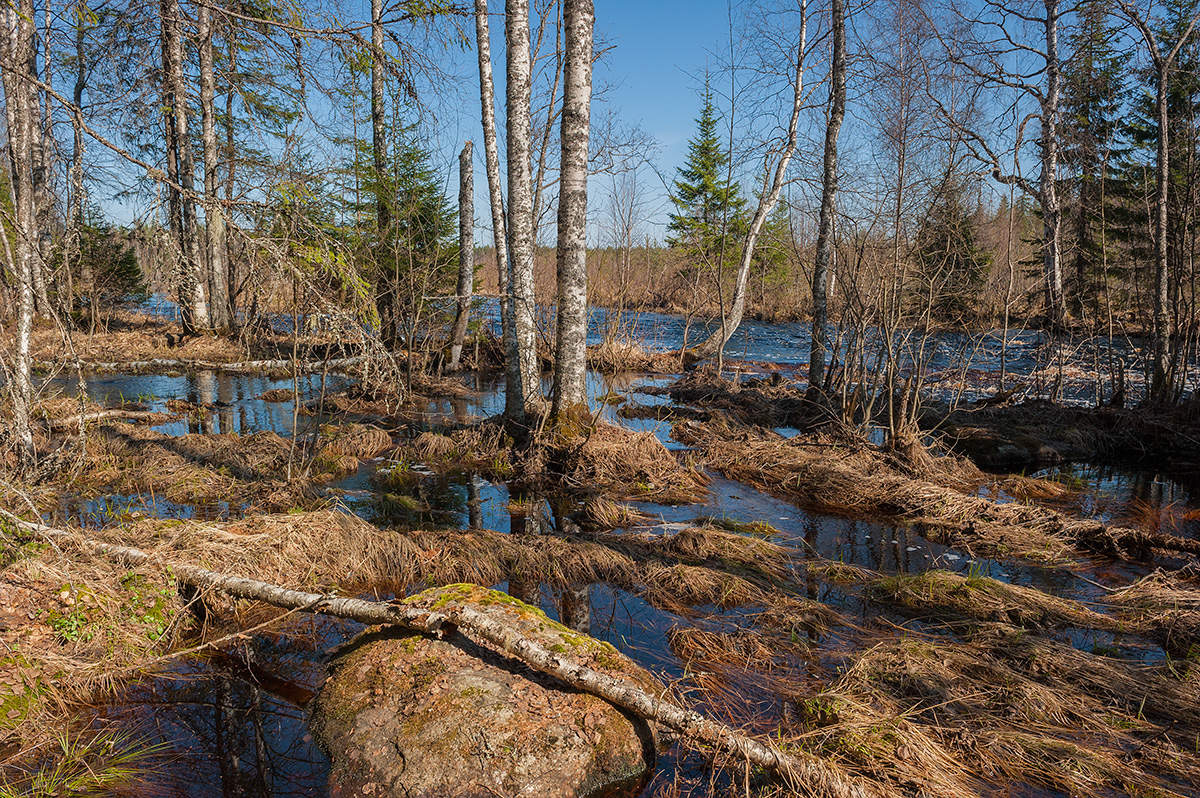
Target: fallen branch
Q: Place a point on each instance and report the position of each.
(101, 415)
(243, 367)
(806, 773)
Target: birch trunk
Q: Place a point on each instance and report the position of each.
(77, 201)
(715, 343)
(823, 265)
(1159, 384)
(193, 306)
(214, 217)
(800, 769)
(523, 389)
(487, 100)
(1051, 212)
(386, 290)
(20, 106)
(466, 254)
(40, 154)
(570, 361)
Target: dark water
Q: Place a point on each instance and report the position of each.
(235, 722)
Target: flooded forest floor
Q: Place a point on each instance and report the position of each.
(1017, 613)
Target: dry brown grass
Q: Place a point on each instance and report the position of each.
(829, 475)
(614, 356)
(965, 718)
(602, 513)
(1169, 604)
(624, 464)
(984, 598)
(132, 337)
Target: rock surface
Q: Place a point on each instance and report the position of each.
(413, 716)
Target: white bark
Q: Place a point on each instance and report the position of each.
(1160, 387)
(767, 201)
(385, 290)
(487, 100)
(570, 362)
(466, 254)
(1051, 212)
(220, 309)
(77, 201)
(193, 302)
(523, 391)
(823, 265)
(20, 108)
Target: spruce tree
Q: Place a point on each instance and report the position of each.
(1093, 95)
(952, 263)
(709, 208)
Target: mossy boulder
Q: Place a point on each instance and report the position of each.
(415, 716)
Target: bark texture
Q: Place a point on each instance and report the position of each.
(385, 289)
(523, 391)
(20, 109)
(487, 102)
(220, 309)
(193, 302)
(570, 361)
(466, 254)
(823, 265)
(1051, 211)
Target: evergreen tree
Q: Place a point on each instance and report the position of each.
(1135, 225)
(951, 262)
(1093, 95)
(416, 255)
(710, 212)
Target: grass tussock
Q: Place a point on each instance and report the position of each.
(827, 475)
(964, 718)
(616, 356)
(624, 464)
(132, 337)
(220, 469)
(984, 598)
(602, 513)
(1168, 603)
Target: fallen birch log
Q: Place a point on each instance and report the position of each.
(243, 367)
(805, 773)
(101, 415)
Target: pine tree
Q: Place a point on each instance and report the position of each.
(709, 208)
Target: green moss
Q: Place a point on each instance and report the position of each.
(18, 701)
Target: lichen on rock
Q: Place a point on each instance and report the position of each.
(415, 716)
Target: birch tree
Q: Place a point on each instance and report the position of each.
(220, 308)
(823, 265)
(386, 289)
(20, 105)
(193, 305)
(570, 364)
(989, 60)
(523, 392)
(487, 101)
